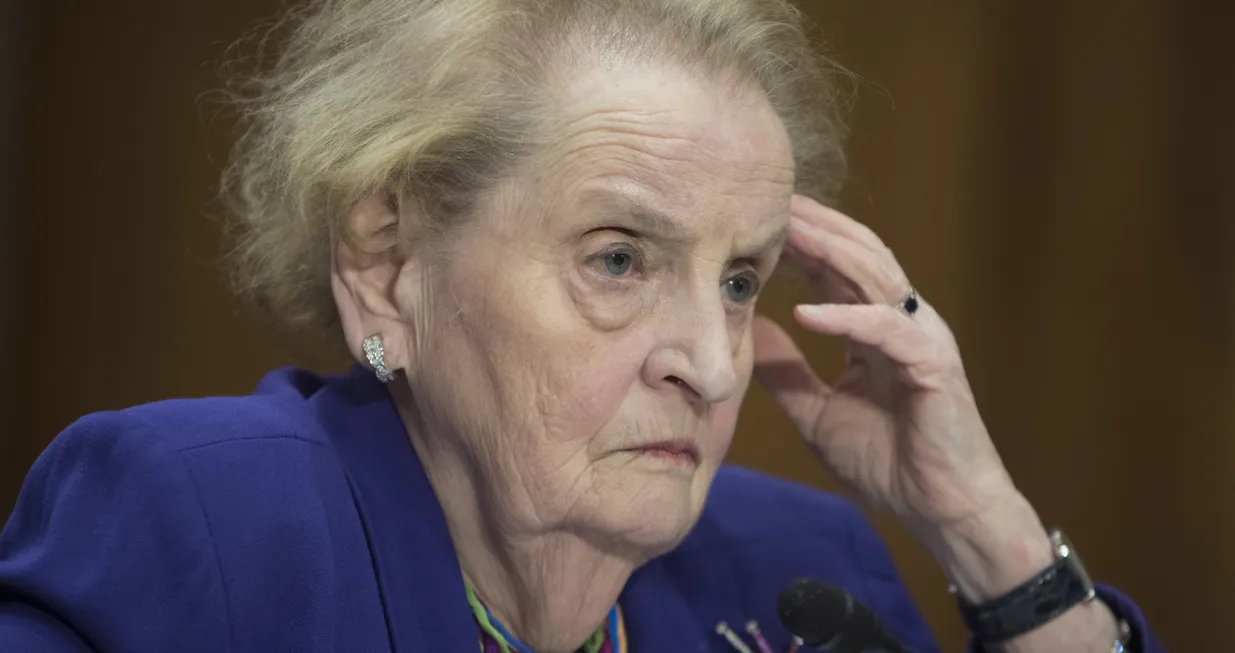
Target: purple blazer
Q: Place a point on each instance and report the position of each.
(299, 519)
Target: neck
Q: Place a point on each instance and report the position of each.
(552, 596)
(549, 587)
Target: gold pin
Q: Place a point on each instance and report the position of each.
(736, 642)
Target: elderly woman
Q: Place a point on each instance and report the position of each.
(541, 226)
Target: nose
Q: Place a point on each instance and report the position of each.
(695, 350)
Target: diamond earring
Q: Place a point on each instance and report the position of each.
(376, 355)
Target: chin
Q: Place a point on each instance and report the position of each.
(653, 519)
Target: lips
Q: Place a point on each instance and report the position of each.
(684, 451)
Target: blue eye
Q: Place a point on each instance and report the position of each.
(619, 263)
(742, 288)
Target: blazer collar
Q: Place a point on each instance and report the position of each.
(417, 570)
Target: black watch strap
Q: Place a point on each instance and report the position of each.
(1052, 592)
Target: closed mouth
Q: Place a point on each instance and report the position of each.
(682, 451)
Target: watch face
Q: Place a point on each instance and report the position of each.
(1064, 551)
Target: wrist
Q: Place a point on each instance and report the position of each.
(1028, 585)
(994, 551)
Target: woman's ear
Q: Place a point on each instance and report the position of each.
(365, 269)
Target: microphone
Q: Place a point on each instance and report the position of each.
(826, 618)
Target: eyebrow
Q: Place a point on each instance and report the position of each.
(774, 240)
(648, 220)
(644, 217)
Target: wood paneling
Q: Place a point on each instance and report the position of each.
(13, 33)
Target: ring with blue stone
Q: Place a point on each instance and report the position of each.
(910, 304)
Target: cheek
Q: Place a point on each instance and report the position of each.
(585, 387)
(721, 428)
(564, 380)
(724, 418)
(610, 308)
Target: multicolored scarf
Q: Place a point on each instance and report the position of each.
(609, 638)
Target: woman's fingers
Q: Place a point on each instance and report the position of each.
(878, 279)
(832, 286)
(784, 372)
(888, 330)
(822, 238)
(829, 219)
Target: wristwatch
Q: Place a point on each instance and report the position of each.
(1060, 587)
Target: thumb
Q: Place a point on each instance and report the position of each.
(784, 372)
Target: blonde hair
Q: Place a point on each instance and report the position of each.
(433, 100)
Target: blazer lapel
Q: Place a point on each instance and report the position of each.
(414, 559)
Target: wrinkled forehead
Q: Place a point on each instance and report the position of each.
(681, 142)
(685, 115)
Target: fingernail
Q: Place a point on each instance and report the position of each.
(812, 310)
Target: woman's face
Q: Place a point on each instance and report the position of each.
(588, 347)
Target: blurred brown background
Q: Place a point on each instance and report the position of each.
(1057, 178)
